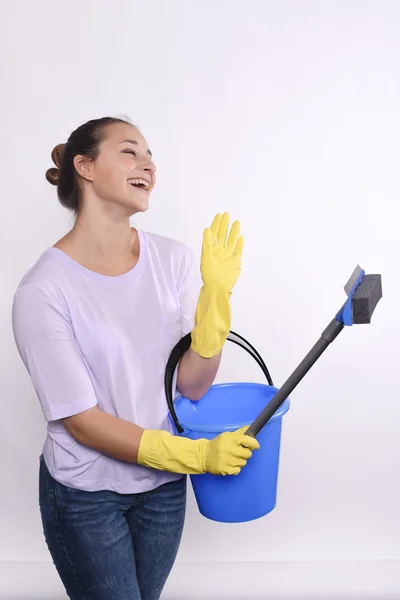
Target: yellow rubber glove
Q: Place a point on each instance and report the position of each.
(226, 454)
(220, 268)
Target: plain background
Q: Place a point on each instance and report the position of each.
(285, 114)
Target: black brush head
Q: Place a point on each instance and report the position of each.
(365, 299)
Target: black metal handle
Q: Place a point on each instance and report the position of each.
(179, 350)
(327, 337)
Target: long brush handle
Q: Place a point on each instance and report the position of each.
(327, 337)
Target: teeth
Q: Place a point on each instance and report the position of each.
(139, 182)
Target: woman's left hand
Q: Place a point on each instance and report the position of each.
(221, 254)
(220, 268)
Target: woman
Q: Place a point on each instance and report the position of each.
(94, 321)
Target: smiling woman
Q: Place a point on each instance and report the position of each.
(108, 154)
(95, 320)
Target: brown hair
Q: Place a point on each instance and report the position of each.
(83, 141)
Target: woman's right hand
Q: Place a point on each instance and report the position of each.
(229, 452)
(226, 454)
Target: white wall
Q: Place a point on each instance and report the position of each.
(287, 115)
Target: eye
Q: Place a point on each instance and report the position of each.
(129, 152)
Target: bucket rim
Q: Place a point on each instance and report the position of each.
(187, 425)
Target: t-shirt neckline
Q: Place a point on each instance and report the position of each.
(109, 279)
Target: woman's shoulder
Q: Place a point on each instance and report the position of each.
(169, 250)
(43, 275)
(162, 243)
(173, 256)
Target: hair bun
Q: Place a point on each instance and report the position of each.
(56, 154)
(53, 175)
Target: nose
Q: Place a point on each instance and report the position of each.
(149, 166)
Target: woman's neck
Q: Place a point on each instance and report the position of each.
(103, 245)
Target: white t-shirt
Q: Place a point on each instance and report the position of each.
(89, 339)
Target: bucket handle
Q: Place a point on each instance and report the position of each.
(179, 350)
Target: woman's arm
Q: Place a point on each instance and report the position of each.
(207, 299)
(226, 454)
(196, 374)
(105, 433)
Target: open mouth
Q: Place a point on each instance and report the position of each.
(140, 184)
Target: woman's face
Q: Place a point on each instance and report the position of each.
(124, 173)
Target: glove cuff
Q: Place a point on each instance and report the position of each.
(163, 451)
(212, 321)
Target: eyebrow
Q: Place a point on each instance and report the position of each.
(134, 142)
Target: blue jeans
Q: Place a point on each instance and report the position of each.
(109, 546)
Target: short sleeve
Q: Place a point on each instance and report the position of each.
(189, 294)
(47, 345)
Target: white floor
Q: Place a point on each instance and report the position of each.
(378, 580)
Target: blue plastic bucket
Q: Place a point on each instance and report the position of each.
(227, 407)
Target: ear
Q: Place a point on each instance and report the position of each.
(84, 167)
